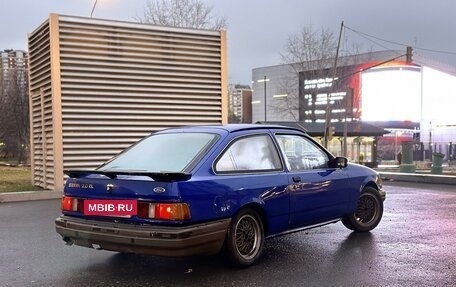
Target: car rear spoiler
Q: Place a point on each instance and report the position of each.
(157, 176)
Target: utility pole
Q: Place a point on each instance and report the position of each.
(328, 104)
(93, 8)
(409, 55)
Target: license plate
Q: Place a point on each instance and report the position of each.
(110, 207)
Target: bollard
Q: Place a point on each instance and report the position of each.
(407, 164)
(437, 160)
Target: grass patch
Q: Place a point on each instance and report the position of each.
(15, 178)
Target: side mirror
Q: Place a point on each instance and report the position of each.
(339, 162)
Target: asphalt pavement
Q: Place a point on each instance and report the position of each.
(414, 245)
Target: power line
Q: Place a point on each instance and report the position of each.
(367, 36)
(436, 51)
(371, 36)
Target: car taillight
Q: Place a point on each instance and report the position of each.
(166, 211)
(72, 204)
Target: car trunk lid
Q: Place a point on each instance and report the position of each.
(138, 185)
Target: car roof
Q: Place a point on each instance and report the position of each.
(231, 128)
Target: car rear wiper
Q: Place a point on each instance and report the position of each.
(157, 176)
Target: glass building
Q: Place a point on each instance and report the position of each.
(377, 87)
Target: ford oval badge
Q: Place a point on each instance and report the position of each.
(159, 189)
(109, 188)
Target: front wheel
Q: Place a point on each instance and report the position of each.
(368, 213)
(244, 239)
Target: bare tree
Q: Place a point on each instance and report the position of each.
(14, 116)
(313, 52)
(308, 50)
(233, 118)
(182, 13)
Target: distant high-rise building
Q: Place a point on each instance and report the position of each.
(13, 62)
(240, 103)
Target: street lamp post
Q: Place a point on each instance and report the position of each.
(430, 140)
(397, 134)
(264, 98)
(264, 80)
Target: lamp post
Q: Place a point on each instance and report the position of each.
(264, 80)
(430, 140)
(397, 134)
(264, 98)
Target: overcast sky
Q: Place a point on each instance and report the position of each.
(258, 29)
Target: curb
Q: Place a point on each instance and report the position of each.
(419, 178)
(29, 195)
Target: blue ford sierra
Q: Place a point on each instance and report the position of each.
(210, 189)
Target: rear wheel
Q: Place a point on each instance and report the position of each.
(368, 213)
(245, 238)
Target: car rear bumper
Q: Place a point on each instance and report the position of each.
(206, 238)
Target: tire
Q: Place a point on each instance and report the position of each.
(244, 239)
(368, 212)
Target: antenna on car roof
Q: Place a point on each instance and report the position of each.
(301, 126)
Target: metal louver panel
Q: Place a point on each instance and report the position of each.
(41, 125)
(118, 82)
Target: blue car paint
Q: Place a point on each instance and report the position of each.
(226, 194)
(360, 177)
(325, 195)
(223, 196)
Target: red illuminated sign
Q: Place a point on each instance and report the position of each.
(110, 207)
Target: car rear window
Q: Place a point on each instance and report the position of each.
(174, 152)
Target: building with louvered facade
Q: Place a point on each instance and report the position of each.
(98, 86)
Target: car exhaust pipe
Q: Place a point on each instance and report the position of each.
(68, 240)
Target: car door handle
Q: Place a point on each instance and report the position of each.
(296, 178)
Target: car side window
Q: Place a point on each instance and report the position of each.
(252, 153)
(301, 153)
